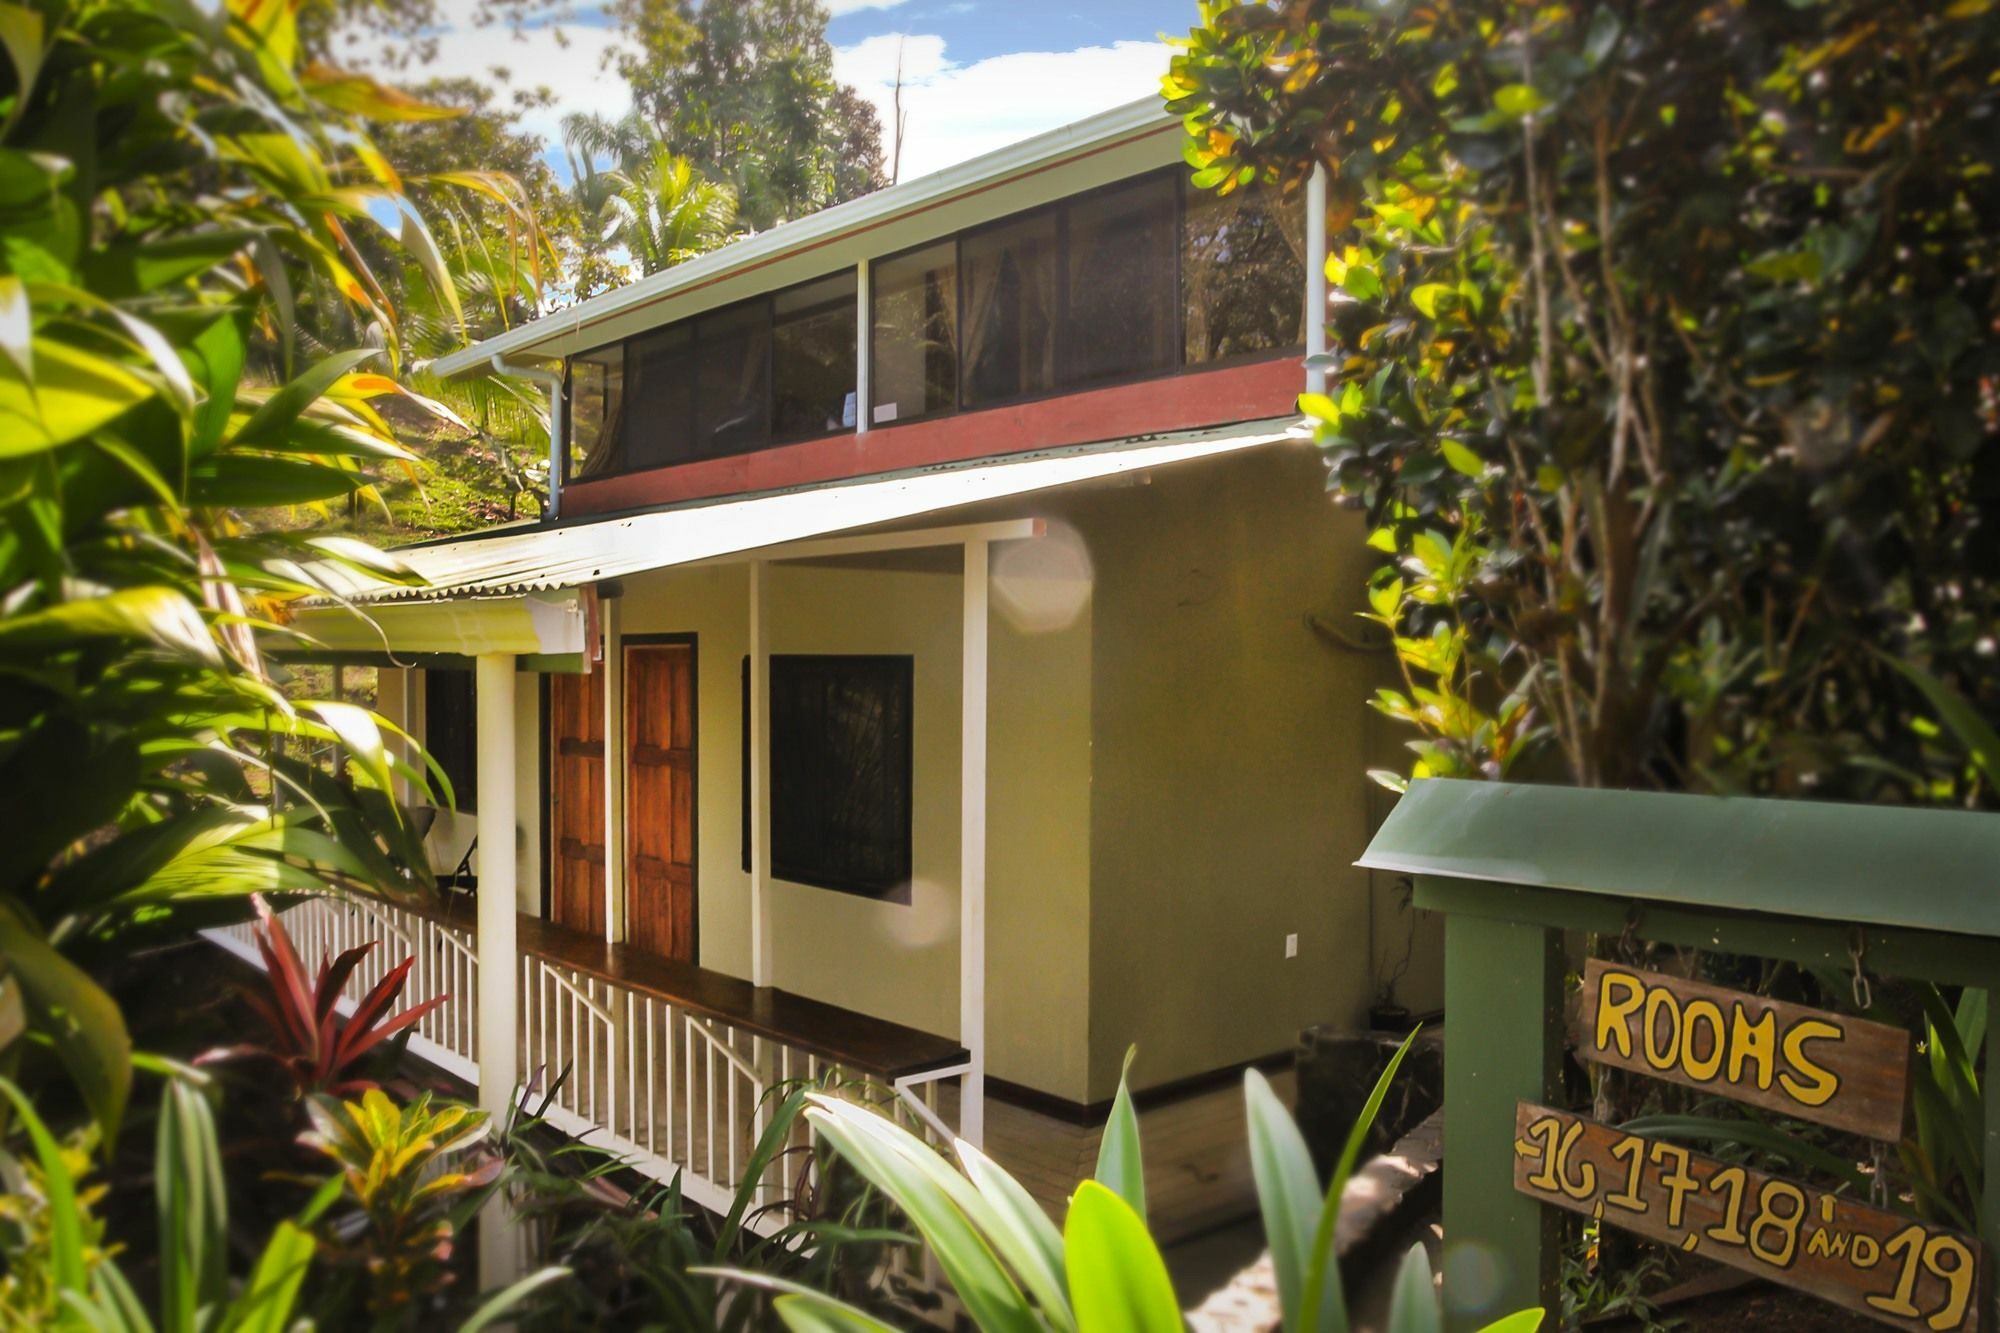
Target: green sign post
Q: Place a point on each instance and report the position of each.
(1513, 867)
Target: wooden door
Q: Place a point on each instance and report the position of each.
(659, 799)
(576, 801)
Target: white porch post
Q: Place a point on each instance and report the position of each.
(972, 851)
(760, 777)
(499, 1057)
(613, 667)
(1316, 275)
(863, 333)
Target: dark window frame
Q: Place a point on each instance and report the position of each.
(865, 339)
(769, 302)
(897, 888)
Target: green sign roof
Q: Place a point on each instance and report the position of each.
(1862, 864)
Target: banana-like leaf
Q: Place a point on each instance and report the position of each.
(275, 416)
(1118, 1282)
(1120, 1167)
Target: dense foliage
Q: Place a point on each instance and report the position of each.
(746, 93)
(1665, 354)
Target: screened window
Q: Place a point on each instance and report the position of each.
(841, 746)
(659, 392)
(1010, 309)
(732, 368)
(812, 358)
(596, 397)
(1118, 270)
(1242, 275)
(915, 333)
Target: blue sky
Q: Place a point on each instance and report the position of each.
(978, 74)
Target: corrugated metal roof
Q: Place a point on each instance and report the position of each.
(512, 563)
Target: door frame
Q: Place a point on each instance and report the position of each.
(692, 641)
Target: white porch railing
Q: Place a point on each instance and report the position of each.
(324, 927)
(674, 1090)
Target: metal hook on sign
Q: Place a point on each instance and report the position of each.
(1864, 995)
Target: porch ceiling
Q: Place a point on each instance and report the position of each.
(514, 563)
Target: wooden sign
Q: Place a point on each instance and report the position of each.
(1840, 1071)
(1874, 1262)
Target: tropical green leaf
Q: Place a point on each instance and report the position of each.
(1117, 1280)
(1119, 1165)
(83, 1023)
(1288, 1195)
(1413, 1305)
(73, 393)
(161, 615)
(503, 1303)
(277, 413)
(65, 1219)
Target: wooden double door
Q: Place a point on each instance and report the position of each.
(659, 851)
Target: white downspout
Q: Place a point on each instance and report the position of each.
(1316, 279)
(553, 382)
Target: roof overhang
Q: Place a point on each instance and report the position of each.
(519, 590)
(998, 181)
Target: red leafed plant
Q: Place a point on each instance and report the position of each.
(308, 1038)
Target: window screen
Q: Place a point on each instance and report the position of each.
(1120, 321)
(659, 397)
(840, 773)
(596, 403)
(450, 726)
(914, 336)
(1009, 273)
(1242, 275)
(812, 358)
(732, 380)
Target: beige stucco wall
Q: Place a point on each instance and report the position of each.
(900, 961)
(1228, 802)
(891, 959)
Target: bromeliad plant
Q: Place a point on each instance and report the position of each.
(1102, 1272)
(318, 1050)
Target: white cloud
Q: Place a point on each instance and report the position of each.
(566, 57)
(953, 111)
(836, 8)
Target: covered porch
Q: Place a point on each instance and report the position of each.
(667, 1061)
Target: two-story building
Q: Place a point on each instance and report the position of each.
(922, 670)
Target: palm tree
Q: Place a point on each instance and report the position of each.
(648, 201)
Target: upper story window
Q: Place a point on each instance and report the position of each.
(765, 371)
(1137, 279)
(1140, 278)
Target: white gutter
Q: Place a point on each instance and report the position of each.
(553, 382)
(544, 336)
